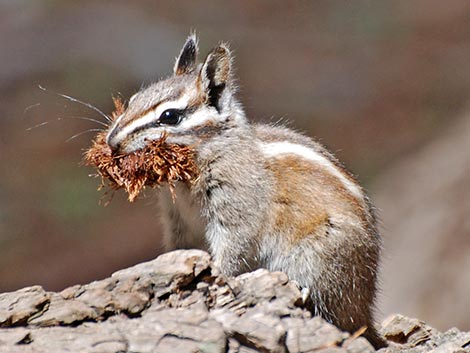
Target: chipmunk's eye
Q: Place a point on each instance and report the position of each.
(171, 117)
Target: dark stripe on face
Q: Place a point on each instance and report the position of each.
(184, 113)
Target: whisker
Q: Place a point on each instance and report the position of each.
(30, 107)
(81, 133)
(88, 105)
(84, 118)
(37, 125)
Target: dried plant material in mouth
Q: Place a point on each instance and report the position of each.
(153, 165)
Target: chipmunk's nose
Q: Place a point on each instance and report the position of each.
(114, 148)
(112, 141)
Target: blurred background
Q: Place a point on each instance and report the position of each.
(385, 85)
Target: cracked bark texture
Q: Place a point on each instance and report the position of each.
(180, 303)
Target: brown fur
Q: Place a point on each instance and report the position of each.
(295, 215)
(302, 212)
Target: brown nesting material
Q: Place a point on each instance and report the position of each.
(153, 165)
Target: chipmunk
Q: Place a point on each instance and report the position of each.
(265, 196)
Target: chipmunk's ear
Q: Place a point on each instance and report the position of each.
(186, 61)
(215, 74)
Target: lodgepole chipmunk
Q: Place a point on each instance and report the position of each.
(265, 196)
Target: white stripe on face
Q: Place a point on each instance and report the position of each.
(198, 118)
(276, 149)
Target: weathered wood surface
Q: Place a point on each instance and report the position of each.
(180, 303)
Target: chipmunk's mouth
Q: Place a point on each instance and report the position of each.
(137, 142)
(155, 163)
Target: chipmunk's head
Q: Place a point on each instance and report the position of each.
(194, 103)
